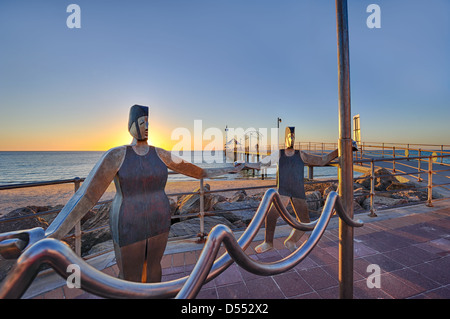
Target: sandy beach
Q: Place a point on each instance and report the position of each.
(59, 194)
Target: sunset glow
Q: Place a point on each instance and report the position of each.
(227, 63)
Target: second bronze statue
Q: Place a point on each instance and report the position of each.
(290, 185)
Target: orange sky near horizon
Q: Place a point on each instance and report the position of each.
(93, 138)
(80, 138)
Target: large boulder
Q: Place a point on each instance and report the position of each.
(191, 227)
(360, 194)
(238, 210)
(98, 219)
(321, 187)
(328, 190)
(239, 196)
(101, 247)
(383, 179)
(383, 202)
(399, 186)
(214, 199)
(20, 222)
(411, 195)
(314, 200)
(357, 208)
(190, 204)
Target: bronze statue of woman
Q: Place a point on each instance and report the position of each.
(140, 212)
(290, 186)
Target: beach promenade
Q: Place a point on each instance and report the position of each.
(411, 246)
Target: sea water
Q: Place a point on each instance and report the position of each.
(38, 166)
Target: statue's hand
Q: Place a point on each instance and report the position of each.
(12, 244)
(242, 165)
(238, 166)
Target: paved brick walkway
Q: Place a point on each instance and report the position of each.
(412, 251)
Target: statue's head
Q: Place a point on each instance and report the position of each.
(289, 136)
(138, 122)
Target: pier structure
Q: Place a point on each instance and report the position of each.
(410, 159)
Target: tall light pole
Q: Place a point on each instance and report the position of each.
(345, 171)
(226, 142)
(278, 128)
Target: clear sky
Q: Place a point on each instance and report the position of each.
(240, 63)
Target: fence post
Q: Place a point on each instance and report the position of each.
(442, 153)
(393, 162)
(310, 172)
(430, 182)
(419, 168)
(202, 212)
(360, 156)
(77, 182)
(372, 189)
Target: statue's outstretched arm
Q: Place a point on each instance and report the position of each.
(265, 161)
(88, 194)
(181, 166)
(316, 160)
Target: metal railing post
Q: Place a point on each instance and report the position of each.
(430, 182)
(393, 162)
(77, 233)
(361, 152)
(310, 172)
(345, 168)
(202, 211)
(419, 168)
(442, 153)
(372, 189)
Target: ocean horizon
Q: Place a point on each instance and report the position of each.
(20, 167)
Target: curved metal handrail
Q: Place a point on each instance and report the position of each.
(223, 234)
(59, 255)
